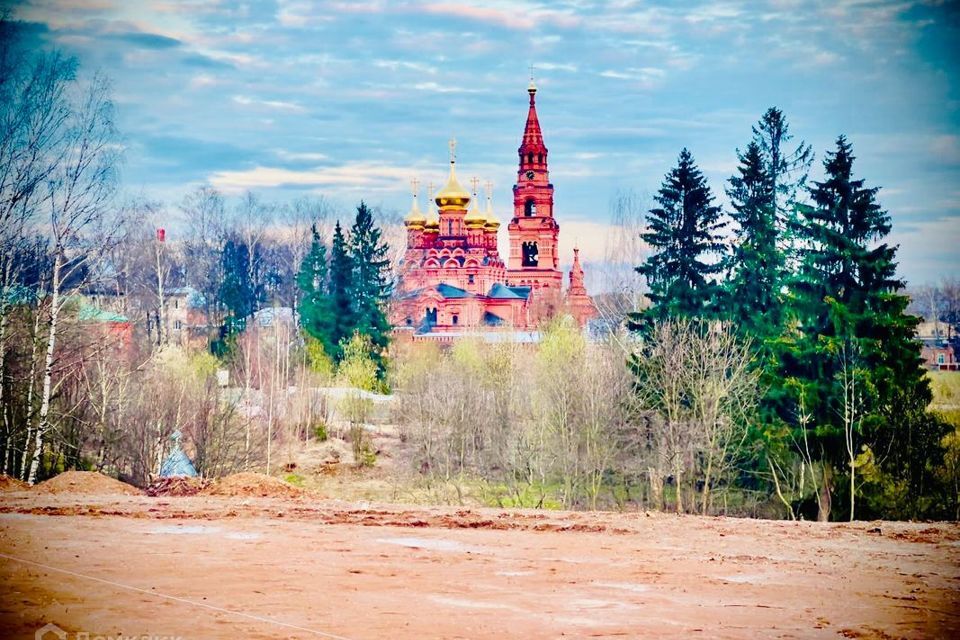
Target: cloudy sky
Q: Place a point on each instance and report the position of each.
(352, 99)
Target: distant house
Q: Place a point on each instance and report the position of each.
(113, 328)
(939, 342)
(186, 317)
(940, 357)
(274, 316)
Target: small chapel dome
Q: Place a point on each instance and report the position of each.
(475, 218)
(491, 224)
(433, 224)
(415, 219)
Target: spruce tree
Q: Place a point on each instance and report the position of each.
(238, 292)
(684, 234)
(852, 319)
(316, 308)
(753, 300)
(340, 291)
(371, 283)
(787, 169)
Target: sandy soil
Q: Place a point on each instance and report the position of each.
(220, 567)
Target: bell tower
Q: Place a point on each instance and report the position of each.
(533, 230)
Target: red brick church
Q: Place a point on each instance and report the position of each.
(453, 277)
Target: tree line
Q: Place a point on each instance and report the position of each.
(347, 294)
(811, 285)
(92, 373)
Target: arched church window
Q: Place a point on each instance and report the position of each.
(430, 317)
(456, 319)
(540, 158)
(530, 208)
(531, 256)
(470, 279)
(449, 227)
(529, 158)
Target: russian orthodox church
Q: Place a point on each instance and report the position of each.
(453, 277)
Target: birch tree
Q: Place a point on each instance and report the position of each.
(79, 192)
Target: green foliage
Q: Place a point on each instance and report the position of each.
(358, 369)
(340, 292)
(348, 294)
(536, 495)
(846, 402)
(294, 478)
(753, 299)
(316, 305)
(320, 431)
(238, 291)
(945, 387)
(684, 235)
(848, 302)
(371, 285)
(317, 358)
(786, 169)
(363, 452)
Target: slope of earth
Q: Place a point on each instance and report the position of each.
(228, 567)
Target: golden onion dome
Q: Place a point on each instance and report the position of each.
(491, 218)
(475, 217)
(415, 219)
(452, 195)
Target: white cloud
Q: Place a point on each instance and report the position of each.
(367, 176)
(202, 80)
(295, 156)
(279, 105)
(396, 65)
(552, 66)
(644, 77)
(442, 88)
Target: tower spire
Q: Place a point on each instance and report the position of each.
(533, 152)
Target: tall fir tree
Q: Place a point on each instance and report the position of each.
(684, 234)
(316, 306)
(239, 293)
(340, 291)
(787, 169)
(853, 323)
(371, 283)
(753, 299)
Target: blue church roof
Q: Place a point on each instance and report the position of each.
(511, 293)
(450, 291)
(492, 319)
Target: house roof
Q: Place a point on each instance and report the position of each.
(92, 314)
(195, 299)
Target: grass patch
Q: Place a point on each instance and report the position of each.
(294, 478)
(946, 389)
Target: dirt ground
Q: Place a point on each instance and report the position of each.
(247, 567)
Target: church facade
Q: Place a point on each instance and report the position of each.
(453, 277)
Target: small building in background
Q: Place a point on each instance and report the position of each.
(186, 319)
(940, 344)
